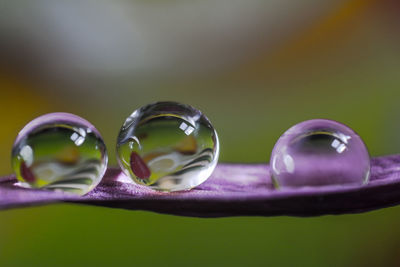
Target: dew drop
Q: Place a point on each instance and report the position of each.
(168, 146)
(319, 153)
(59, 151)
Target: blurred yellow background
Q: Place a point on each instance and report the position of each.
(255, 68)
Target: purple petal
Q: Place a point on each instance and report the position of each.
(233, 190)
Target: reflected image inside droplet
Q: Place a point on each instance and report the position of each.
(319, 153)
(139, 167)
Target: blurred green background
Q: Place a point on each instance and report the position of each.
(254, 67)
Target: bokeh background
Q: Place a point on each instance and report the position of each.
(255, 67)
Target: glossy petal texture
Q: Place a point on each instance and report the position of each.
(232, 190)
(319, 153)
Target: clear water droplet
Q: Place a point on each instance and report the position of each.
(59, 151)
(168, 146)
(318, 153)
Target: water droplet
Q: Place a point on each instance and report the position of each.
(318, 153)
(60, 151)
(168, 146)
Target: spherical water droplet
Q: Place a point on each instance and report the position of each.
(318, 153)
(60, 151)
(168, 146)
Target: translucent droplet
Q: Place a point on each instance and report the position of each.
(168, 146)
(318, 153)
(59, 151)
